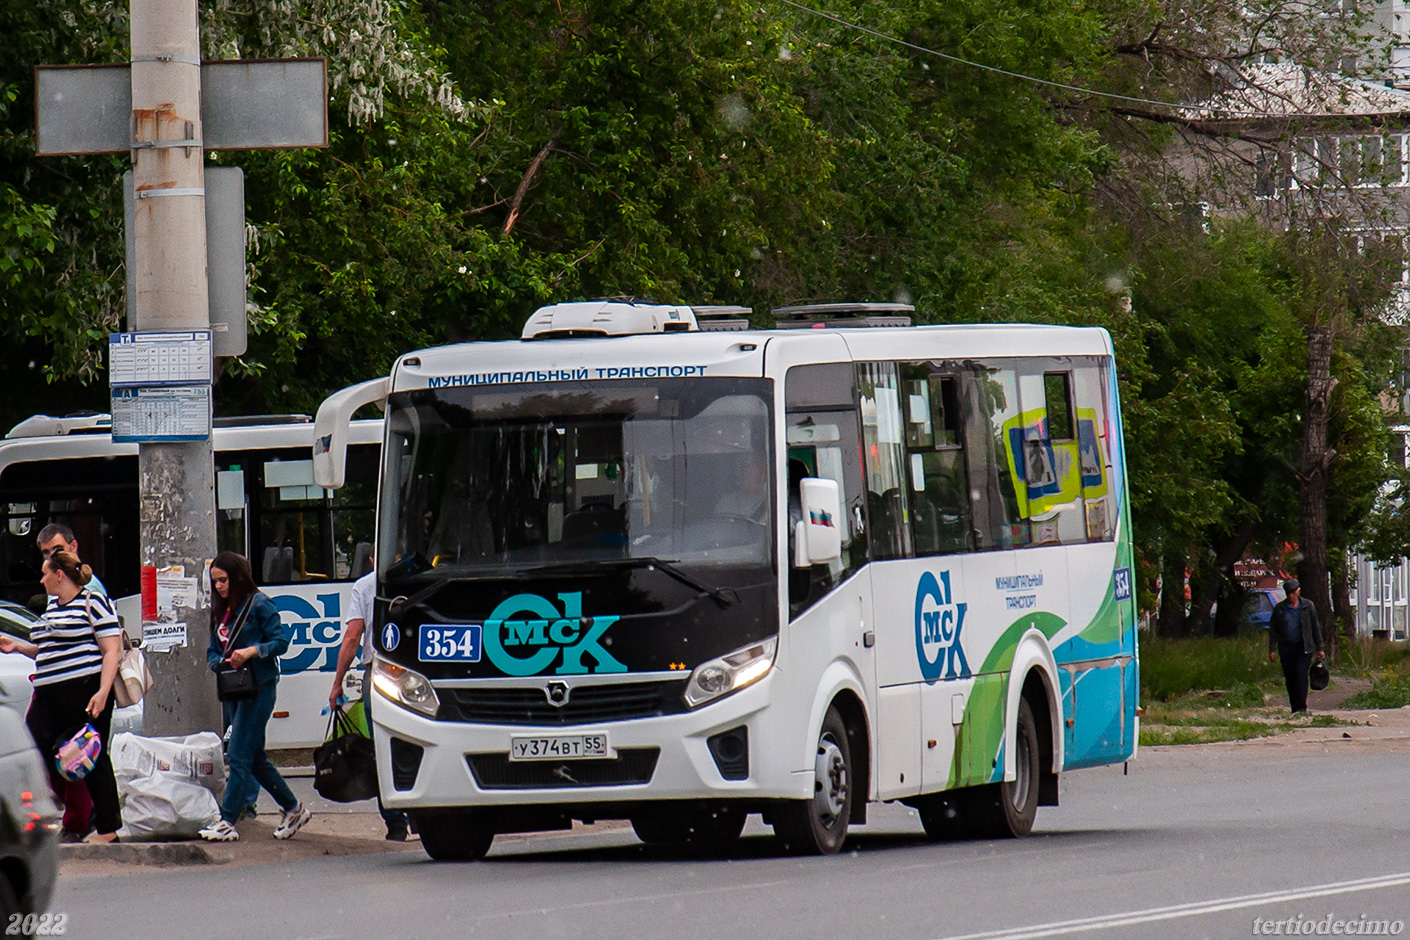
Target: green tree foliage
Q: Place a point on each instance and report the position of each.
(487, 157)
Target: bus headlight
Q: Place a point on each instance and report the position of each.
(407, 687)
(731, 672)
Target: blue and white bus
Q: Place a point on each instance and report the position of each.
(648, 563)
(305, 545)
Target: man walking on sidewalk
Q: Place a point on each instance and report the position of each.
(360, 615)
(1293, 636)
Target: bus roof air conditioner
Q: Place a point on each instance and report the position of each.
(608, 318)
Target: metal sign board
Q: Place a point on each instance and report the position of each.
(225, 257)
(159, 358)
(255, 104)
(268, 104)
(144, 415)
(82, 109)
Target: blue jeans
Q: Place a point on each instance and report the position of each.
(250, 768)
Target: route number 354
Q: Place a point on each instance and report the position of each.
(36, 925)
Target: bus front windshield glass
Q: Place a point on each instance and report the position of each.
(509, 478)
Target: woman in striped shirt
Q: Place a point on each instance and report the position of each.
(76, 648)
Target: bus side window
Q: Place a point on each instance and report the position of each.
(823, 442)
(988, 401)
(1094, 433)
(1048, 474)
(940, 515)
(882, 429)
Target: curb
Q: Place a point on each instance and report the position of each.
(142, 853)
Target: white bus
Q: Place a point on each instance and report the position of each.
(647, 564)
(305, 546)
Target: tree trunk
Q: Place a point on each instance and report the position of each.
(1231, 607)
(1208, 583)
(1171, 620)
(1313, 473)
(1341, 599)
(1205, 585)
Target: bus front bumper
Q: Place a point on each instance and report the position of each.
(426, 764)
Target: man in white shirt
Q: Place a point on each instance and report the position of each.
(364, 591)
(57, 537)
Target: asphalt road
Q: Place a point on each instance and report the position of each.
(1205, 842)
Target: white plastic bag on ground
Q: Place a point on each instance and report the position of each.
(168, 786)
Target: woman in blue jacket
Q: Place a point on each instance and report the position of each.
(246, 629)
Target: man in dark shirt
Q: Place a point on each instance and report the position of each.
(1293, 636)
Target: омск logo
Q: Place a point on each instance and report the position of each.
(533, 623)
(939, 621)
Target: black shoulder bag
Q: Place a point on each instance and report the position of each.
(231, 684)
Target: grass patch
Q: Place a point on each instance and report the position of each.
(1388, 689)
(1198, 719)
(1237, 665)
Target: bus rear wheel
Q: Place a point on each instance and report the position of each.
(453, 837)
(1007, 810)
(819, 826)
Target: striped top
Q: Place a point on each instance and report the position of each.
(67, 640)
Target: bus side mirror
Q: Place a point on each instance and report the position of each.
(330, 430)
(817, 539)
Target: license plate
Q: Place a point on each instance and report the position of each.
(558, 747)
(444, 643)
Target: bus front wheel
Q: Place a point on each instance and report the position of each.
(453, 837)
(819, 826)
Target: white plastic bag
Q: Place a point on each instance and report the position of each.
(168, 786)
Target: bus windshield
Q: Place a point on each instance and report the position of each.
(516, 478)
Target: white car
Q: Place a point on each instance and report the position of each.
(17, 669)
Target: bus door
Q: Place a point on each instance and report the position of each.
(829, 605)
(892, 581)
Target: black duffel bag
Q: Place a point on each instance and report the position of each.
(345, 765)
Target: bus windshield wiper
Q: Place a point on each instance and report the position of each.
(724, 596)
(419, 599)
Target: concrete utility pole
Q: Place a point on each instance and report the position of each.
(177, 479)
(160, 374)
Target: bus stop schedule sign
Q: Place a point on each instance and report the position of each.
(161, 385)
(159, 358)
(162, 413)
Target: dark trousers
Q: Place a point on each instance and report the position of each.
(250, 767)
(394, 818)
(56, 714)
(1296, 663)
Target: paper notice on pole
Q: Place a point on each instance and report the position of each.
(163, 637)
(174, 590)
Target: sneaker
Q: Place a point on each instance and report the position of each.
(221, 831)
(292, 821)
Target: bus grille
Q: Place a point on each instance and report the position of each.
(587, 704)
(498, 772)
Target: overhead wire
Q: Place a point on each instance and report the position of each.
(1063, 86)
